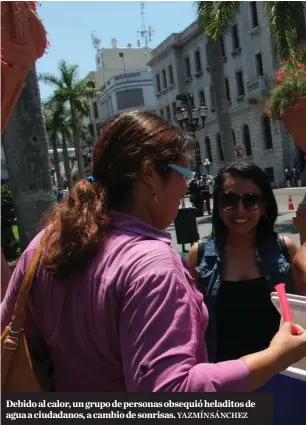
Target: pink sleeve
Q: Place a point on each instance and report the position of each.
(10, 298)
(31, 326)
(159, 332)
(6, 274)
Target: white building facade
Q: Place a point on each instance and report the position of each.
(127, 91)
(180, 66)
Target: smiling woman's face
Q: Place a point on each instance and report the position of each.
(240, 205)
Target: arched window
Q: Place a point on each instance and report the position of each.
(267, 132)
(208, 149)
(247, 140)
(219, 147)
(234, 137)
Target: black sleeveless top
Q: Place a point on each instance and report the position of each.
(246, 318)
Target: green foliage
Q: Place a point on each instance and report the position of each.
(57, 119)
(290, 87)
(286, 22)
(9, 243)
(8, 214)
(69, 103)
(217, 17)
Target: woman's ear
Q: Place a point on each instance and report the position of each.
(146, 173)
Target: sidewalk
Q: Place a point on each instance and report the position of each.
(289, 189)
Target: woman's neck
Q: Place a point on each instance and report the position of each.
(241, 241)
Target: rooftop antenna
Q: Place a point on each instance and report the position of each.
(144, 33)
(95, 41)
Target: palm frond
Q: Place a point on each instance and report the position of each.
(216, 18)
(284, 20)
(299, 51)
(69, 73)
(81, 106)
(50, 79)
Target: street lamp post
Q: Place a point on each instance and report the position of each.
(191, 119)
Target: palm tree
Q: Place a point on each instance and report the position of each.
(26, 151)
(52, 133)
(215, 63)
(72, 91)
(287, 29)
(286, 22)
(58, 124)
(91, 94)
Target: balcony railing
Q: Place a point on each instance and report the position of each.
(258, 88)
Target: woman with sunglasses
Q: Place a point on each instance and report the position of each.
(111, 300)
(238, 266)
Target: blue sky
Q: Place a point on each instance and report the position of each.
(70, 24)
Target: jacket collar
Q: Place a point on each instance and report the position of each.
(133, 225)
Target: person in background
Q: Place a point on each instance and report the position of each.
(196, 196)
(296, 175)
(288, 174)
(60, 195)
(111, 300)
(238, 266)
(205, 191)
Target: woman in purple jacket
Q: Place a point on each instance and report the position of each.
(111, 300)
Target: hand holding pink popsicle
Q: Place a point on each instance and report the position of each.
(284, 305)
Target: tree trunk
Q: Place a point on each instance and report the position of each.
(92, 122)
(26, 150)
(215, 62)
(77, 143)
(57, 163)
(66, 163)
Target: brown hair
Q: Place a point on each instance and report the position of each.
(79, 224)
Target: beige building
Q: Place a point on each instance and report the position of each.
(180, 66)
(118, 60)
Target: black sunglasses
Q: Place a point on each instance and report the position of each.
(230, 200)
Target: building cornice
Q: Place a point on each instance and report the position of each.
(125, 85)
(175, 41)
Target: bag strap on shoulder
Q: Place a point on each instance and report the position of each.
(201, 251)
(19, 313)
(284, 249)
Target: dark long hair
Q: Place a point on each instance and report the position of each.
(241, 170)
(80, 223)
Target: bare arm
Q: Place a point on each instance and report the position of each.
(298, 262)
(265, 364)
(299, 270)
(192, 260)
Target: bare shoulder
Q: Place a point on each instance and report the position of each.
(300, 259)
(299, 271)
(291, 246)
(192, 259)
(193, 255)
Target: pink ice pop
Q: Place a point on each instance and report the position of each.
(284, 305)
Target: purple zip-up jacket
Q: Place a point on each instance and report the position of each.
(133, 321)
